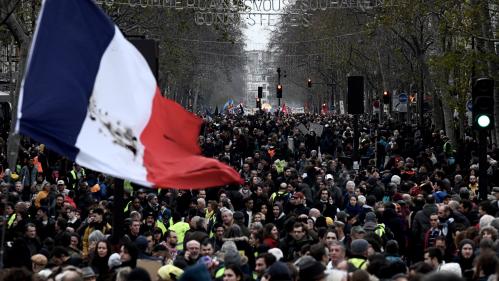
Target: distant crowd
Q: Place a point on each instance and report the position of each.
(402, 205)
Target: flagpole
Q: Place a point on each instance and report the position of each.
(118, 213)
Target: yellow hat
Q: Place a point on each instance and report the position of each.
(170, 272)
(14, 176)
(329, 221)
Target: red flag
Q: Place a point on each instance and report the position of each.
(172, 156)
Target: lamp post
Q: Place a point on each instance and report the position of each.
(279, 88)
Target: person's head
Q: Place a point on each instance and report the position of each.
(488, 232)
(433, 256)
(59, 200)
(443, 212)
(59, 255)
(298, 198)
(135, 227)
(129, 253)
(320, 253)
(353, 200)
(466, 248)
(103, 249)
(486, 263)
(202, 194)
(233, 273)
(219, 231)
(74, 240)
(171, 238)
(298, 231)
(227, 217)
(30, 231)
(263, 262)
(97, 215)
(441, 244)
(330, 236)
(324, 194)
(434, 222)
(194, 248)
(207, 248)
(38, 262)
(359, 247)
(336, 252)
(42, 213)
(276, 210)
(270, 230)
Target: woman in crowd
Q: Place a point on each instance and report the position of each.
(465, 257)
(99, 260)
(270, 235)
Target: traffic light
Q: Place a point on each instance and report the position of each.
(482, 96)
(260, 92)
(386, 97)
(309, 82)
(258, 103)
(279, 91)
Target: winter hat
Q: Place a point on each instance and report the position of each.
(451, 267)
(169, 272)
(359, 246)
(466, 242)
(141, 242)
(370, 216)
(312, 270)
(196, 273)
(232, 256)
(114, 260)
(277, 253)
(279, 271)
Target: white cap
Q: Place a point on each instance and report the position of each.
(329, 177)
(277, 253)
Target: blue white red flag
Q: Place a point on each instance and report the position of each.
(89, 94)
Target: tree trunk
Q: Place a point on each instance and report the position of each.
(23, 39)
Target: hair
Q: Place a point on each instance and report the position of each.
(96, 236)
(486, 263)
(268, 258)
(233, 232)
(317, 251)
(267, 230)
(237, 270)
(435, 253)
(59, 251)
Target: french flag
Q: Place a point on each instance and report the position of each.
(89, 94)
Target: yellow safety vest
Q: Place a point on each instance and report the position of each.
(180, 228)
(358, 263)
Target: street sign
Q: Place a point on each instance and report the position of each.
(403, 98)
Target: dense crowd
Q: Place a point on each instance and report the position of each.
(408, 209)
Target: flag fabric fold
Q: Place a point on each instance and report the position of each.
(89, 94)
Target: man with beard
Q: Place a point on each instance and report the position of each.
(326, 204)
(95, 222)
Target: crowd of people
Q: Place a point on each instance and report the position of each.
(313, 207)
